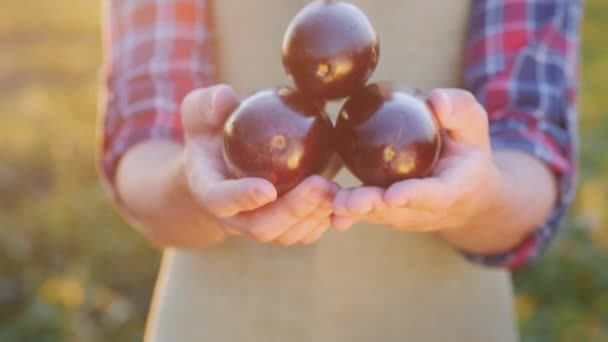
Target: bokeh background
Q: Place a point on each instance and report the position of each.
(72, 270)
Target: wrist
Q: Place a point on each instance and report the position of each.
(144, 177)
(520, 194)
(487, 229)
(151, 183)
(487, 204)
(494, 206)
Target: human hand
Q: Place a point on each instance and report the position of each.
(462, 191)
(246, 206)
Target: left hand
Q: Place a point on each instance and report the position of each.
(462, 190)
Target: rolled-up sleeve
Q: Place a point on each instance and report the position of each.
(155, 52)
(522, 65)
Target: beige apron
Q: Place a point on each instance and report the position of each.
(369, 284)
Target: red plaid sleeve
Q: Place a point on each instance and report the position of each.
(522, 65)
(156, 51)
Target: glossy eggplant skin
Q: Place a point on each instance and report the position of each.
(281, 135)
(330, 49)
(387, 133)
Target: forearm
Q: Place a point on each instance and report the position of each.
(140, 151)
(152, 185)
(522, 199)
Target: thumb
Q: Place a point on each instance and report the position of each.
(461, 115)
(205, 110)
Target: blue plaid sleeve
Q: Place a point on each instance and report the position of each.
(522, 65)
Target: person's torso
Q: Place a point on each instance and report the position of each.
(368, 284)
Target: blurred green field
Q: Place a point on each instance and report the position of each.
(71, 270)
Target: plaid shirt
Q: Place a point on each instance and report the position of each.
(521, 63)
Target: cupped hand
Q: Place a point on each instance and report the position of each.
(464, 183)
(248, 207)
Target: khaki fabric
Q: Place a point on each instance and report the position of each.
(368, 284)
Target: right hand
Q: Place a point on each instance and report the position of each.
(248, 206)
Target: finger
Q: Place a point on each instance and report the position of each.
(429, 194)
(205, 110)
(231, 197)
(340, 202)
(342, 223)
(422, 221)
(321, 214)
(324, 210)
(299, 231)
(461, 115)
(267, 223)
(407, 219)
(361, 201)
(223, 197)
(316, 233)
